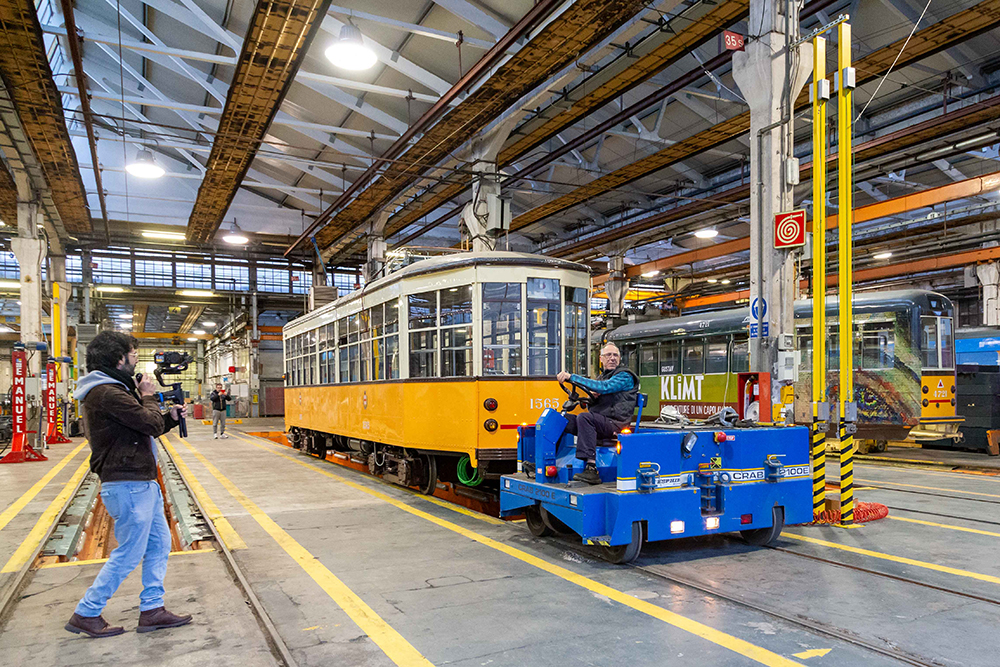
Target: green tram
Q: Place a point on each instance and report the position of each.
(904, 356)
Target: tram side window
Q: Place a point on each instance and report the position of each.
(456, 331)
(670, 358)
(630, 357)
(648, 360)
(501, 328)
(947, 343)
(345, 368)
(878, 345)
(376, 320)
(365, 336)
(422, 314)
(739, 361)
(331, 354)
(312, 373)
(391, 352)
(576, 327)
(717, 355)
(543, 326)
(322, 344)
(353, 350)
(694, 357)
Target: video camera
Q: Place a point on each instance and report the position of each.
(172, 363)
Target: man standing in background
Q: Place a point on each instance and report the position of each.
(219, 399)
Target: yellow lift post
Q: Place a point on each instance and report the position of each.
(845, 214)
(820, 94)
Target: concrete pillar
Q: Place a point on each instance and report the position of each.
(989, 278)
(29, 250)
(87, 267)
(254, 370)
(770, 81)
(376, 246)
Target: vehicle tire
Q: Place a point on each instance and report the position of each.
(430, 474)
(881, 445)
(625, 553)
(536, 526)
(760, 537)
(553, 523)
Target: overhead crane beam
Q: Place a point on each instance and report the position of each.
(29, 82)
(277, 40)
(911, 202)
(931, 40)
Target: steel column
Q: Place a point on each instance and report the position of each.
(819, 276)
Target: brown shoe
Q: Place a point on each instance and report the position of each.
(160, 618)
(92, 626)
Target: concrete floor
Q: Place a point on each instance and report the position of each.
(458, 589)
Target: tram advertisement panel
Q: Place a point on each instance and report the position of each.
(696, 396)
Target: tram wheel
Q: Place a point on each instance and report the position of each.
(430, 474)
(536, 525)
(554, 523)
(625, 553)
(760, 537)
(880, 445)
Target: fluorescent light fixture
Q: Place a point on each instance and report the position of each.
(109, 288)
(725, 281)
(713, 280)
(208, 324)
(676, 527)
(192, 339)
(125, 316)
(144, 166)
(706, 233)
(883, 255)
(650, 274)
(196, 292)
(168, 236)
(712, 523)
(200, 332)
(349, 51)
(10, 284)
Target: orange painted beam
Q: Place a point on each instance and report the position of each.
(923, 199)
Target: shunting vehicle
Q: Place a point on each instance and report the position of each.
(661, 481)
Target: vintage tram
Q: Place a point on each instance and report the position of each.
(426, 373)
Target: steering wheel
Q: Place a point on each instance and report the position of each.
(574, 397)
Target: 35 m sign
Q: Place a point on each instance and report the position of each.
(733, 40)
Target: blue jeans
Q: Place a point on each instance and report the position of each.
(143, 537)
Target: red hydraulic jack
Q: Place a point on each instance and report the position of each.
(20, 450)
(54, 433)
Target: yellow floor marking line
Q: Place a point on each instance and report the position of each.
(945, 525)
(437, 501)
(226, 531)
(94, 561)
(971, 475)
(895, 559)
(51, 513)
(752, 651)
(314, 627)
(928, 488)
(391, 642)
(30, 494)
(813, 653)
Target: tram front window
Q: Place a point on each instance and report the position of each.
(929, 341)
(947, 343)
(501, 328)
(543, 326)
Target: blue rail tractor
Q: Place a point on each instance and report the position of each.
(661, 482)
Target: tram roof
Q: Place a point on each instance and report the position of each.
(735, 319)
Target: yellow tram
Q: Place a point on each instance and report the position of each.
(427, 372)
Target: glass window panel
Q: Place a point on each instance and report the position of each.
(392, 316)
(301, 282)
(694, 357)
(345, 368)
(323, 367)
(422, 310)
(153, 273)
(194, 276)
(272, 280)
(366, 361)
(648, 365)
(456, 305)
(929, 342)
(392, 357)
(112, 270)
(74, 268)
(456, 352)
(717, 358)
(375, 319)
(543, 326)
(378, 358)
(501, 328)
(342, 332)
(947, 343)
(878, 345)
(740, 362)
(630, 357)
(576, 327)
(9, 268)
(353, 327)
(423, 354)
(354, 362)
(670, 358)
(232, 278)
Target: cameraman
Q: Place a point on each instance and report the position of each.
(120, 421)
(219, 399)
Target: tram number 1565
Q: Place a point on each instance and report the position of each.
(542, 403)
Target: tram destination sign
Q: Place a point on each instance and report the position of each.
(790, 229)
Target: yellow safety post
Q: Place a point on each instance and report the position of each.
(846, 278)
(56, 329)
(821, 93)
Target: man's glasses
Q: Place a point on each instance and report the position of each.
(611, 356)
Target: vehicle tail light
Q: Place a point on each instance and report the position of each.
(712, 522)
(626, 431)
(490, 404)
(746, 518)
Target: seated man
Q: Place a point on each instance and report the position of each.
(617, 388)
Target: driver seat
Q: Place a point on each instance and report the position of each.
(641, 400)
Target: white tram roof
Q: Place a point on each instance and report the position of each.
(458, 260)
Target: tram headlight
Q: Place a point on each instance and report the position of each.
(925, 403)
(953, 402)
(926, 389)
(490, 404)
(491, 425)
(953, 389)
